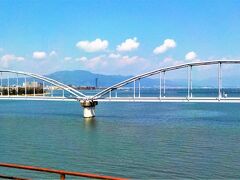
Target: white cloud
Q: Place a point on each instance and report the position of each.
(53, 53)
(128, 60)
(67, 58)
(93, 46)
(82, 59)
(130, 65)
(169, 61)
(110, 65)
(39, 55)
(191, 56)
(1, 49)
(128, 45)
(167, 44)
(8, 58)
(114, 56)
(20, 58)
(96, 62)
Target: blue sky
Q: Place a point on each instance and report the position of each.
(116, 37)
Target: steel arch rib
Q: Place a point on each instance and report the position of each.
(72, 91)
(66, 86)
(157, 71)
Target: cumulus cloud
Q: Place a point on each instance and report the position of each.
(102, 62)
(8, 58)
(130, 65)
(169, 61)
(82, 59)
(128, 60)
(67, 58)
(39, 55)
(167, 44)
(93, 46)
(111, 63)
(114, 56)
(128, 45)
(53, 53)
(96, 62)
(191, 56)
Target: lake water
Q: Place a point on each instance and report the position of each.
(135, 140)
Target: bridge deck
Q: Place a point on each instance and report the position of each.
(38, 98)
(172, 99)
(129, 99)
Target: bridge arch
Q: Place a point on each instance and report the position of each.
(73, 92)
(166, 69)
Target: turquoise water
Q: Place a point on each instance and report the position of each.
(135, 140)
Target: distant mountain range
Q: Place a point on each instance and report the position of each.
(86, 78)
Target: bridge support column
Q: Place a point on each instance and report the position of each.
(88, 108)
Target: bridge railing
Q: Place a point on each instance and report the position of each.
(61, 173)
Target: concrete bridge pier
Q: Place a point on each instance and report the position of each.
(88, 108)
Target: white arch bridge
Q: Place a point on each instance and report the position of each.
(17, 85)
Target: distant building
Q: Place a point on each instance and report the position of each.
(32, 84)
(96, 83)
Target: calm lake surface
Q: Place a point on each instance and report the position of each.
(135, 140)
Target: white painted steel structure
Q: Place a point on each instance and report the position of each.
(173, 99)
(73, 94)
(162, 86)
(89, 102)
(136, 97)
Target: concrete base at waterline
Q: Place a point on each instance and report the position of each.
(88, 108)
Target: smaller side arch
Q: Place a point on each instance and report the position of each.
(78, 95)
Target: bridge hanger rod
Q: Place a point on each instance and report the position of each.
(191, 86)
(1, 85)
(8, 90)
(43, 88)
(134, 89)
(164, 84)
(51, 91)
(110, 94)
(25, 86)
(188, 81)
(34, 88)
(219, 79)
(160, 85)
(17, 84)
(139, 88)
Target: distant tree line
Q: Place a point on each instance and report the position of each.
(21, 90)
